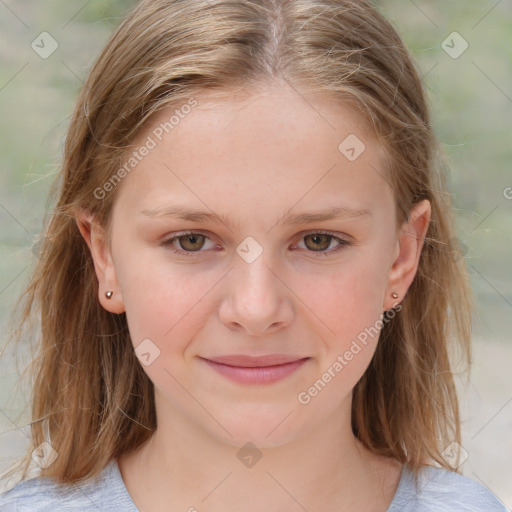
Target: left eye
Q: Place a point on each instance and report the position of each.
(320, 242)
(192, 242)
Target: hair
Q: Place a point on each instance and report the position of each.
(92, 401)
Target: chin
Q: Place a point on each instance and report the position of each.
(262, 430)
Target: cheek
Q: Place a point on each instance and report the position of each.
(347, 307)
(347, 298)
(165, 312)
(161, 301)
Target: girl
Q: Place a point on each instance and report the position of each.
(200, 352)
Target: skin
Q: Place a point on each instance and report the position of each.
(255, 158)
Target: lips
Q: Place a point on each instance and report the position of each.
(252, 370)
(255, 361)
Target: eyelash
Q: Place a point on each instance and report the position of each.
(342, 243)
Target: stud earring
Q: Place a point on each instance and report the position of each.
(109, 294)
(394, 295)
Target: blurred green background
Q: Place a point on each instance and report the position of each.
(471, 98)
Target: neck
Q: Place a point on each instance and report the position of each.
(327, 469)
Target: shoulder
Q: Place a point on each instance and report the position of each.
(33, 494)
(441, 490)
(105, 492)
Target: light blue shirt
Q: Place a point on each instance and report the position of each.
(438, 490)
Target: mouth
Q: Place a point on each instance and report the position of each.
(255, 370)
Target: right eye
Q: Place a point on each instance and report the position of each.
(190, 242)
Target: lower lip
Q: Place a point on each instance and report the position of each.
(257, 375)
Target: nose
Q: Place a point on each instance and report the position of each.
(257, 300)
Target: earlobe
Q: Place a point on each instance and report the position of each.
(104, 267)
(409, 247)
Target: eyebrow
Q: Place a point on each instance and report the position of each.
(184, 213)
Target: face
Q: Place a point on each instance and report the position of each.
(261, 271)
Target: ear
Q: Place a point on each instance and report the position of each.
(407, 253)
(94, 236)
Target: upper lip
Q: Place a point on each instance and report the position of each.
(254, 361)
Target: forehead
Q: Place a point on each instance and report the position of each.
(273, 107)
(249, 147)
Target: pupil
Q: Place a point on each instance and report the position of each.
(317, 240)
(191, 241)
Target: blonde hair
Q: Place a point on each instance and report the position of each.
(91, 398)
